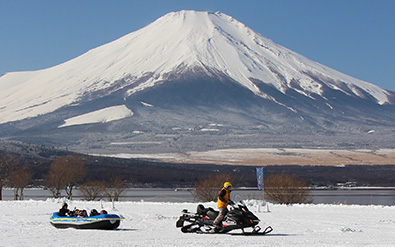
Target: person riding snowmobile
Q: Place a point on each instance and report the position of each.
(223, 201)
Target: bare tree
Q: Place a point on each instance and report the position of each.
(115, 189)
(54, 180)
(74, 174)
(19, 179)
(286, 189)
(64, 173)
(92, 190)
(7, 162)
(208, 188)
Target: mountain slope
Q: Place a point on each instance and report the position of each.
(180, 75)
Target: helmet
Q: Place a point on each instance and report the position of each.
(227, 184)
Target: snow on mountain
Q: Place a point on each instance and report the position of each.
(100, 116)
(175, 43)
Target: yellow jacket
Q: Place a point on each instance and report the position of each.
(224, 195)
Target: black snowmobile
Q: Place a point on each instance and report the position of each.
(238, 217)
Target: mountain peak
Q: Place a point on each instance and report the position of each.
(176, 42)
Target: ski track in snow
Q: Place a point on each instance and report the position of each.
(26, 223)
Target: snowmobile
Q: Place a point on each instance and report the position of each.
(238, 217)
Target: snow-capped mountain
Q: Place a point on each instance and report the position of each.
(186, 70)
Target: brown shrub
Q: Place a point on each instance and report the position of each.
(92, 190)
(207, 189)
(64, 173)
(115, 189)
(286, 189)
(19, 179)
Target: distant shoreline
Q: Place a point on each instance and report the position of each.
(351, 196)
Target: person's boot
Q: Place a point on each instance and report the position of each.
(217, 227)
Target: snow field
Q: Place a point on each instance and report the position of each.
(100, 116)
(26, 223)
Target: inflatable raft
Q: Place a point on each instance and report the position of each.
(103, 221)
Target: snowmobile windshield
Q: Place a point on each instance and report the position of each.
(239, 200)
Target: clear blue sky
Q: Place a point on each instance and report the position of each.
(356, 37)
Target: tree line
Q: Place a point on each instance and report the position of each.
(65, 173)
(68, 171)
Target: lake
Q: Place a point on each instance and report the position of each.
(365, 196)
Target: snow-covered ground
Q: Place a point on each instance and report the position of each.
(26, 223)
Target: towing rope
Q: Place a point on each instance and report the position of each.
(159, 217)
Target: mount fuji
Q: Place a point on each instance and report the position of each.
(193, 81)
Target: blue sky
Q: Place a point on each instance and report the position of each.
(356, 37)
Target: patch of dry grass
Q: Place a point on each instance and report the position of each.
(266, 156)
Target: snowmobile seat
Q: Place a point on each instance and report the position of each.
(212, 214)
(201, 210)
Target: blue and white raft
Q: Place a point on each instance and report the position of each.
(102, 221)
